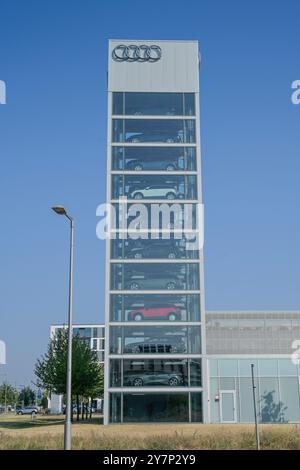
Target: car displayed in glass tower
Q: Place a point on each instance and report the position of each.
(156, 137)
(157, 346)
(156, 249)
(154, 281)
(154, 164)
(150, 378)
(159, 191)
(155, 313)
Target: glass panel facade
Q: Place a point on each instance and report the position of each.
(154, 258)
(228, 367)
(155, 308)
(289, 399)
(245, 367)
(196, 407)
(155, 373)
(152, 249)
(268, 367)
(286, 367)
(155, 340)
(115, 408)
(154, 158)
(195, 372)
(154, 187)
(154, 407)
(269, 402)
(246, 400)
(168, 131)
(227, 383)
(156, 216)
(139, 276)
(277, 388)
(115, 373)
(154, 104)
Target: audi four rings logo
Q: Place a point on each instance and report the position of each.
(135, 53)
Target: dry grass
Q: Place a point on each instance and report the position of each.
(19, 432)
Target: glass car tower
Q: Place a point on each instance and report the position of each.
(155, 343)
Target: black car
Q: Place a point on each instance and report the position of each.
(157, 346)
(154, 137)
(149, 378)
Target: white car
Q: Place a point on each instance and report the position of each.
(154, 192)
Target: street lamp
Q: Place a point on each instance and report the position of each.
(60, 210)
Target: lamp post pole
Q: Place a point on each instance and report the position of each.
(67, 434)
(255, 411)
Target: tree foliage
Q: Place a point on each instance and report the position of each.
(27, 396)
(8, 394)
(87, 373)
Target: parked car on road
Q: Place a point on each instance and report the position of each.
(162, 313)
(26, 410)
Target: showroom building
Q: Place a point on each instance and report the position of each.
(154, 285)
(267, 339)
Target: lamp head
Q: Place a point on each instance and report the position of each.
(60, 210)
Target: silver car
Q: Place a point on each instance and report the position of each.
(154, 192)
(26, 410)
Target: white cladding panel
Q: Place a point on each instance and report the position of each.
(176, 71)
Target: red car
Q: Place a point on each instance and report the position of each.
(160, 313)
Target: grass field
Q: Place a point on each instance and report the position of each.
(46, 432)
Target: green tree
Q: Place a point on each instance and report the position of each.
(44, 401)
(8, 394)
(87, 374)
(27, 396)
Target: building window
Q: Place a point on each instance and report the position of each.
(151, 277)
(154, 158)
(168, 131)
(154, 104)
(171, 248)
(151, 307)
(154, 187)
(150, 407)
(155, 340)
(115, 407)
(115, 372)
(196, 407)
(163, 215)
(155, 373)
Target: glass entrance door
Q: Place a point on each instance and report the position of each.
(228, 406)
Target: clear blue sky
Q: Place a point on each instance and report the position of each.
(53, 57)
